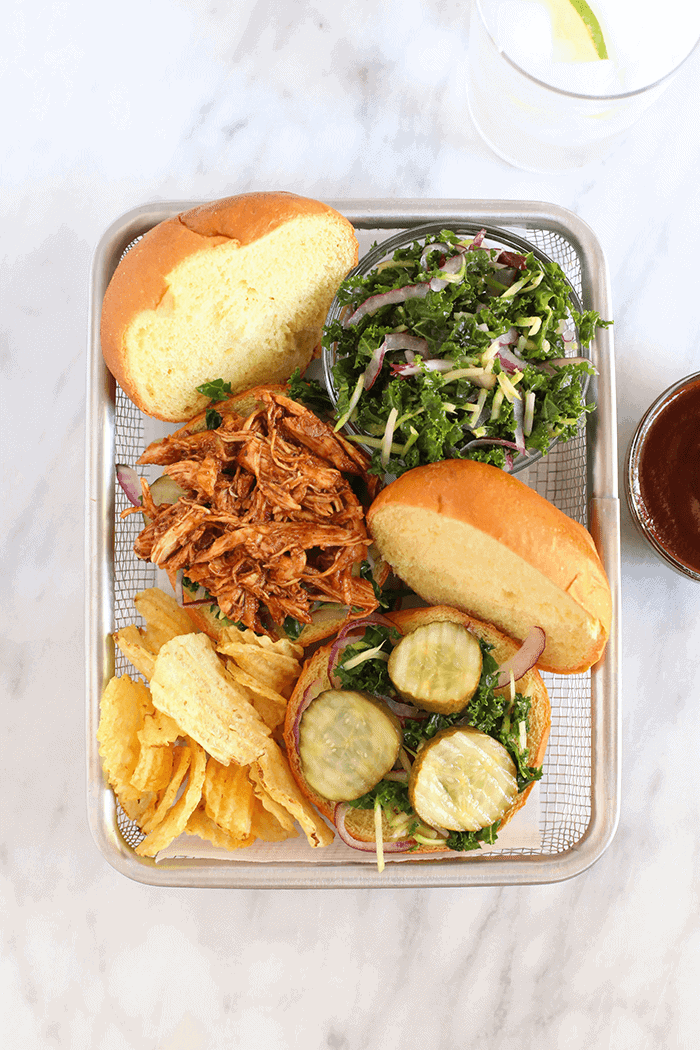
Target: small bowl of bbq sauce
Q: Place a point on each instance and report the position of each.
(662, 476)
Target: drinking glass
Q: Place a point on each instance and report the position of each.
(553, 84)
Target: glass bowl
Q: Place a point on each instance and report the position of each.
(495, 237)
(662, 476)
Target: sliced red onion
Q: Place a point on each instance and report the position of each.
(404, 710)
(130, 483)
(526, 657)
(405, 370)
(452, 266)
(529, 416)
(438, 246)
(478, 240)
(439, 364)
(390, 298)
(510, 361)
(393, 341)
(339, 819)
(519, 416)
(509, 337)
(310, 693)
(404, 341)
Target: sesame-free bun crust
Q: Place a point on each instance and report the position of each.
(360, 823)
(237, 289)
(467, 534)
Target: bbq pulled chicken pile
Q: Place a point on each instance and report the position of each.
(269, 524)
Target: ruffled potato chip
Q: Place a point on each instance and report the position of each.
(175, 820)
(271, 772)
(165, 619)
(203, 826)
(158, 730)
(229, 798)
(267, 827)
(262, 641)
(267, 667)
(270, 705)
(182, 756)
(123, 708)
(153, 768)
(191, 685)
(131, 641)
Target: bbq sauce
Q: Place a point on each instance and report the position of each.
(669, 477)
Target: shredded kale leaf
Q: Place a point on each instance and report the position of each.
(469, 840)
(309, 392)
(371, 676)
(217, 390)
(292, 628)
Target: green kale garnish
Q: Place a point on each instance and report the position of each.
(309, 392)
(292, 628)
(217, 389)
(371, 676)
(213, 419)
(468, 840)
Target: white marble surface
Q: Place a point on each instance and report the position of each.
(106, 108)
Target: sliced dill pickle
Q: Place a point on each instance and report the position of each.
(462, 780)
(347, 741)
(164, 490)
(437, 666)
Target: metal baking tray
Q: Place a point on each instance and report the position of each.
(580, 790)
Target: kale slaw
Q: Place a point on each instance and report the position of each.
(455, 346)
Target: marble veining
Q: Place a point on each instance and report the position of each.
(107, 109)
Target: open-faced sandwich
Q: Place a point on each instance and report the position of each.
(420, 731)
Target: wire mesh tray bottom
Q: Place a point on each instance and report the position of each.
(565, 790)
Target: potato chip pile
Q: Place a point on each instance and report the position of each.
(196, 751)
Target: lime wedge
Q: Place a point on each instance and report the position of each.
(576, 32)
(592, 25)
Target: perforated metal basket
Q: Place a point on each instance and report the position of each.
(579, 792)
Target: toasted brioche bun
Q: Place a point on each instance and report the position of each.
(328, 619)
(360, 823)
(468, 534)
(237, 289)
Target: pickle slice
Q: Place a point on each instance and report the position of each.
(437, 666)
(347, 741)
(165, 490)
(462, 780)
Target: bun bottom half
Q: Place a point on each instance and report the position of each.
(360, 823)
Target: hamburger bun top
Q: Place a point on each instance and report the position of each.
(467, 534)
(237, 289)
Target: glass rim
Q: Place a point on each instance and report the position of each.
(619, 97)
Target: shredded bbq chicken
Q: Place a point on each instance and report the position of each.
(269, 524)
